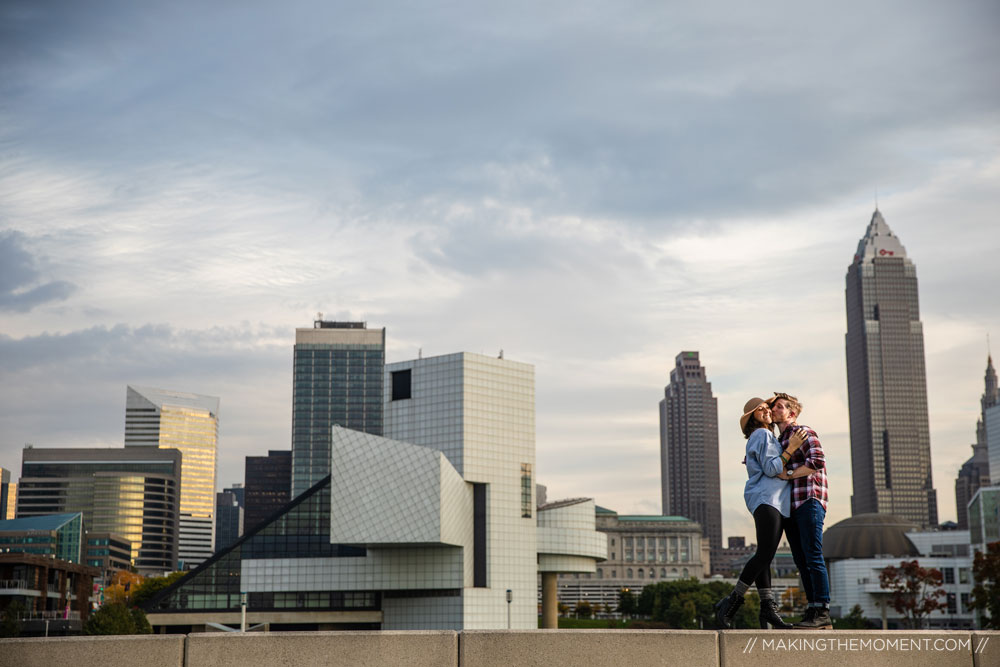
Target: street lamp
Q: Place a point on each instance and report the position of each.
(510, 598)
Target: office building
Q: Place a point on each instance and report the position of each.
(8, 496)
(975, 473)
(440, 534)
(109, 553)
(337, 380)
(984, 517)
(133, 492)
(689, 449)
(188, 423)
(267, 486)
(886, 382)
(228, 517)
(991, 417)
(859, 548)
(55, 535)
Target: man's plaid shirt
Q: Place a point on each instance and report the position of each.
(811, 454)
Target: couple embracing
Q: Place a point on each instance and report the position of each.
(786, 491)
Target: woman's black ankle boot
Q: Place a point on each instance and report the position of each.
(769, 614)
(726, 608)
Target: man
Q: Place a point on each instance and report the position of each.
(806, 469)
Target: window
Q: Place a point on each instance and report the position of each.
(401, 385)
(963, 575)
(629, 574)
(526, 490)
(949, 575)
(952, 606)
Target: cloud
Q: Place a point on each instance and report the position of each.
(19, 272)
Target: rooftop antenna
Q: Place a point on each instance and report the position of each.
(876, 198)
(420, 353)
(501, 354)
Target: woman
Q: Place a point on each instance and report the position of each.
(768, 497)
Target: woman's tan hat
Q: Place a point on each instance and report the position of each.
(748, 409)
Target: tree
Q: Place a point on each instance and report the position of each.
(690, 604)
(626, 603)
(793, 599)
(123, 585)
(855, 620)
(583, 609)
(115, 618)
(986, 593)
(562, 608)
(10, 626)
(153, 585)
(914, 591)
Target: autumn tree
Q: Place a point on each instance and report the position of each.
(986, 593)
(583, 609)
(914, 591)
(793, 599)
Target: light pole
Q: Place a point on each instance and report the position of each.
(510, 597)
(243, 612)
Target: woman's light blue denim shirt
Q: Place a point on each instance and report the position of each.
(763, 463)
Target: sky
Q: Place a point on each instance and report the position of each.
(590, 187)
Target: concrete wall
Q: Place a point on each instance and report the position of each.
(145, 650)
(551, 648)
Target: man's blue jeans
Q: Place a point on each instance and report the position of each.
(804, 530)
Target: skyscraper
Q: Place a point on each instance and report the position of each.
(975, 473)
(8, 495)
(887, 382)
(689, 449)
(188, 423)
(130, 492)
(337, 380)
(268, 486)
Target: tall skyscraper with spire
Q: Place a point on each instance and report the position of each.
(975, 473)
(689, 449)
(887, 382)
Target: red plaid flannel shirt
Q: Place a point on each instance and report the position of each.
(811, 454)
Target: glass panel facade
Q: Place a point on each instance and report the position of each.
(302, 531)
(337, 379)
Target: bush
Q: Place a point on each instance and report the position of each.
(117, 619)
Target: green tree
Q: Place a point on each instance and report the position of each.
(855, 620)
(583, 609)
(626, 602)
(115, 618)
(10, 626)
(915, 591)
(689, 604)
(986, 593)
(151, 586)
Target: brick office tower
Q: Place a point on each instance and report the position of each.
(689, 450)
(887, 382)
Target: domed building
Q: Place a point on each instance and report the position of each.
(859, 548)
(869, 536)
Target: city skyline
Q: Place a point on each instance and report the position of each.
(588, 191)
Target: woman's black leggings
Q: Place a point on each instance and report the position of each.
(768, 520)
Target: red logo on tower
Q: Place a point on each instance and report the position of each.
(884, 252)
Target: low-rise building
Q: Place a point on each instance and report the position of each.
(859, 548)
(54, 535)
(54, 594)
(109, 553)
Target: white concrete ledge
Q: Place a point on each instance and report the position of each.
(330, 649)
(594, 648)
(145, 650)
(489, 648)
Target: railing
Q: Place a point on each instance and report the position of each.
(13, 583)
(51, 616)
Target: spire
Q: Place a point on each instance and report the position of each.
(879, 241)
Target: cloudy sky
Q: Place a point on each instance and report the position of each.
(592, 187)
